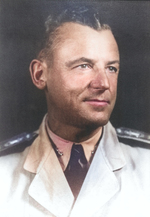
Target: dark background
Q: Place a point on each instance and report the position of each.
(22, 106)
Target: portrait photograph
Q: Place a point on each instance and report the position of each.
(74, 108)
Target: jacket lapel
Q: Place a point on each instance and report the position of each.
(49, 186)
(101, 183)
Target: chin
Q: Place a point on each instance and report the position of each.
(94, 123)
(99, 118)
(100, 123)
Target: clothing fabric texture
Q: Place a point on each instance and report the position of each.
(33, 184)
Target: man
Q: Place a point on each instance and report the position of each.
(77, 68)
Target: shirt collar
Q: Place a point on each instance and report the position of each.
(109, 146)
(65, 146)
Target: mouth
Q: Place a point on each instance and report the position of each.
(97, 102)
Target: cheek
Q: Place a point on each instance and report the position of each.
(113, 86)
(77, 80)
(67, 86)
(74, 84)
(61, 91)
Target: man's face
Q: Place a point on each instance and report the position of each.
(82, 80)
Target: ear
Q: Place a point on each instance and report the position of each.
(38, 71)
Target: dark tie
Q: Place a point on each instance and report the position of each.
(76, 169)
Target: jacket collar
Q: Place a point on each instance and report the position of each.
(111, 149)
(101, 183)
(50, 188)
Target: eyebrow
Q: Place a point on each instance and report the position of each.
(90, 61)
(79, 60)
(113, 62)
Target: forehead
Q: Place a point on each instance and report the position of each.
(76, 39)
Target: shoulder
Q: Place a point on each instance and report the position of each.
(17, 144)
(136, 149)
(12, 158)
(13, 153)
(135, 145)
(133, 138)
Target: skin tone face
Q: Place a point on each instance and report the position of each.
(81, 83)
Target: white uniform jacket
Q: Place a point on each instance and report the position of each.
(32, 183)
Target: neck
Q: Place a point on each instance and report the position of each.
(72, 133)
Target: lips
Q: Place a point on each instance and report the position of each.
(97, 102)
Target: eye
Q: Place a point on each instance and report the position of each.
(84, 66)
(112, 69)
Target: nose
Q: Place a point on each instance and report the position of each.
(100, 81)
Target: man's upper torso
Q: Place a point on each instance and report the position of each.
(117, 183)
